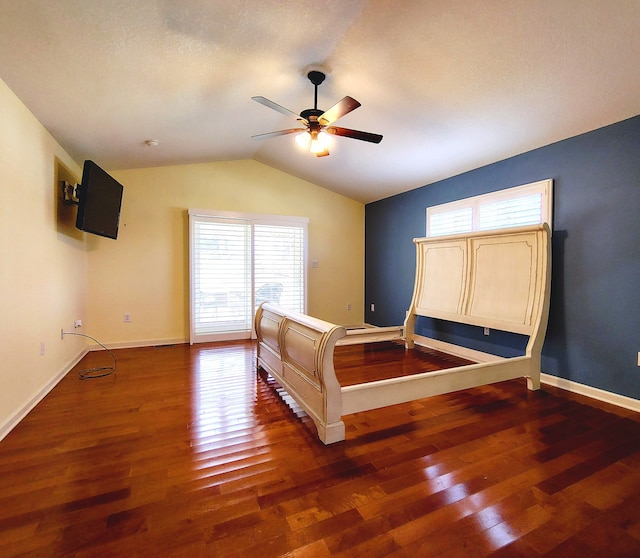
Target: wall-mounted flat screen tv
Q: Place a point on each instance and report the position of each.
(99, 201)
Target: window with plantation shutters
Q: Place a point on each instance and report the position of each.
(279, 265)
(523, 205)
(238, 261)
(451, 222)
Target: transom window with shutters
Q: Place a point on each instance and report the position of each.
(530, 204)
(238, 261)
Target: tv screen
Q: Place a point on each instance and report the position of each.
(99, 200)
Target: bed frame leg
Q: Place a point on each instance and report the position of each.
(331, 433)
(533, 382)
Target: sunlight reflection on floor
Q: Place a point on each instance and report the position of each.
(224, 393)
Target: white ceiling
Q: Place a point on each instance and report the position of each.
(450, 84)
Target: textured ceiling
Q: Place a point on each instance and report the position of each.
(451, 85)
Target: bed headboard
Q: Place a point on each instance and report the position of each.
(495, 279)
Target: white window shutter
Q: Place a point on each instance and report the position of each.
(529, 204)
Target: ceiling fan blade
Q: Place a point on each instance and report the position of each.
(355, 134)
(342, 107)
(275, 106)
(279, 133)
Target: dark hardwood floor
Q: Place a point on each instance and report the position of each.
(185, 451)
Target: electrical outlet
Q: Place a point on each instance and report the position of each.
(373, 307)
(77, 324)
(127, 318)
(486, 331)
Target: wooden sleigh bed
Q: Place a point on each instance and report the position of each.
(496, 279)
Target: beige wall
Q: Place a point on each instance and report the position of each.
(51, 274)
(42, 262)
(145, 272)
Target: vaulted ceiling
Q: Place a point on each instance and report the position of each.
(451, 84)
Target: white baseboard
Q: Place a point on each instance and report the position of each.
(136, 344)
(17, 416)
(594, 393)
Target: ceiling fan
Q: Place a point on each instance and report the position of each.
(318, 124)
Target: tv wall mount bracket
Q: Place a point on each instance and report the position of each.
(69, 192)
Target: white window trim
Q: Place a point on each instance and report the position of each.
(543, 187)
(263, 218)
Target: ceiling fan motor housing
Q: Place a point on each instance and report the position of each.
(311, 116)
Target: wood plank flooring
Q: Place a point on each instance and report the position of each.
(370, 362)
(185, 451)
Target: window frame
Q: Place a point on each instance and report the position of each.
(252, 219)
(542, 187)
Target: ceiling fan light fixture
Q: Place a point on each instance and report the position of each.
(303, 140)
(324, 139)
(315, 142)
(315, 147)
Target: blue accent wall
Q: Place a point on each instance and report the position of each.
(593, 336)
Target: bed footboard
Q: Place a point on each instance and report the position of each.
(297, 350)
